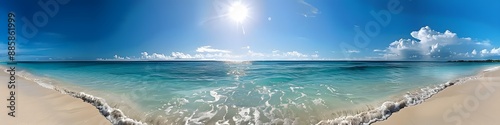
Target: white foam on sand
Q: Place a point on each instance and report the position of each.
(114, 115)
(387, 108)
(491, 69)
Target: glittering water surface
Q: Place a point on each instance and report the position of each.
(246, 92)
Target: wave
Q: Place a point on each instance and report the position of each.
(387, 108)
(114, 115)
(261, 114)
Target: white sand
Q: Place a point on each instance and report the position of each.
(475, 102)
(36, 105)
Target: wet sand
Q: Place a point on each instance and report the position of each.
(42, 106)
(475, 102)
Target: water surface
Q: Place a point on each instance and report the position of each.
(246, 92)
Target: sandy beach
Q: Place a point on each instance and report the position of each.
(41, 106)
(475, 102)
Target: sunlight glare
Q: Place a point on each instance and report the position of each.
(238, 12)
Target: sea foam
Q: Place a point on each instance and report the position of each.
(114, 115)
(282, 109)
(387, 108)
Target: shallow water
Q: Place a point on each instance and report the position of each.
(246, 92)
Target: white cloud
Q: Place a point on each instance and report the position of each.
(154, 56)
(484, 52)
(210, 50)
(249, 55)
(294, 54)
(208, 53)
(486, 42)
(495, 51)
(179, 55)
(216, 56)
(118, 57)
(352, 51)
(428, 44)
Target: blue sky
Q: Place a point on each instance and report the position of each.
(270, 29)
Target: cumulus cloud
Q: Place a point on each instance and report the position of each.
(495, 51)
(173, 55)
(208, 53)
(117, 57)
(154, 56)
(484, 51)
(184, 56)
(179, 55)
(216, 56)
(209, 49)
(430, 44)
(294, 54)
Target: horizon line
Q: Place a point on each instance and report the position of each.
(234, 61)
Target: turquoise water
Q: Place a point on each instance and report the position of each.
(246, 92)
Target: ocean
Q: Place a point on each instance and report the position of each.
(245, 92)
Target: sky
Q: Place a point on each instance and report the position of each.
(423, 30)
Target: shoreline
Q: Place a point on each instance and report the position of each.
(402, 111)
(49, 99)
(38, 105)
(388, 113)
(476, 101)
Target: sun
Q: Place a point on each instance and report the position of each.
(238, 12)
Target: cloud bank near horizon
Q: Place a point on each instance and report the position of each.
(428, 44)
(209, 53)
(425, 44)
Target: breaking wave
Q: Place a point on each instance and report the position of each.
(387, 108)
(114, 115)
(219, 107)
